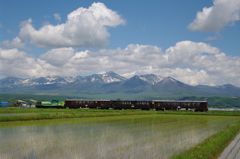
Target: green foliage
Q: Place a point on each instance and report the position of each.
(15, 104)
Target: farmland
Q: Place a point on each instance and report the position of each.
(126, 135)
(148, 126)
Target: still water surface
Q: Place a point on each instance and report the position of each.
(147, 136)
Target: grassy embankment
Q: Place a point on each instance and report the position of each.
(40, 114)
(213, 146)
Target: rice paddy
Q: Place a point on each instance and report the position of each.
(139, 136)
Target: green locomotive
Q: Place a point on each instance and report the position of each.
(55, 103)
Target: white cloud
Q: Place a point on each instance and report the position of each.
(84, 28)
(15, 43)
(190, 62)
(57, 57)
(57, 17)
(17, 63)
(214, 18)
(188, 53)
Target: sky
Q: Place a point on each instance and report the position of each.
(196, 42)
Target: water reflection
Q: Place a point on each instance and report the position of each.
(155, 136)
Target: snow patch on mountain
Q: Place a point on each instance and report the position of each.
(152, 79)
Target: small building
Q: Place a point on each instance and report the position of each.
(3, 104)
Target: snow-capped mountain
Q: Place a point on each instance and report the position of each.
(109, 77)
(111, 82)
(104, 78)
(151, 78)
(13, 82)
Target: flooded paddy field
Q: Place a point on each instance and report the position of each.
(139, 136)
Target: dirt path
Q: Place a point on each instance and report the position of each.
(233, 150)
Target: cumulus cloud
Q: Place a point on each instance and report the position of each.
(214, 18)
(57, 57)
(190, 62)
(188, 53)
(15, 43)
(84, 28)
(17, 63)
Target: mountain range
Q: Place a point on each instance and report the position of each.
(150, 85)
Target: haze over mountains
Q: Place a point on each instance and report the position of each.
(112, 83)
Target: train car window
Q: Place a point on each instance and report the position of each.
(197, 104)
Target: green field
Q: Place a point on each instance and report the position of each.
(39, 114)
(217, 128)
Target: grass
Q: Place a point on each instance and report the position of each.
(51, 113)
(40, 114)
(212, 147)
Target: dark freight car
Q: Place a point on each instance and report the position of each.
(131, 104)
(87, 103)
(177, 105)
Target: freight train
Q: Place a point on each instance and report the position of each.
(127, 104)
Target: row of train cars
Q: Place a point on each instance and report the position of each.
(126, 104)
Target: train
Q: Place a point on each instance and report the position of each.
(127, 104)
(55, 103)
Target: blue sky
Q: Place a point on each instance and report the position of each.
(196, 42)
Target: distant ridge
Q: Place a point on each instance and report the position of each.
(110, 82)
